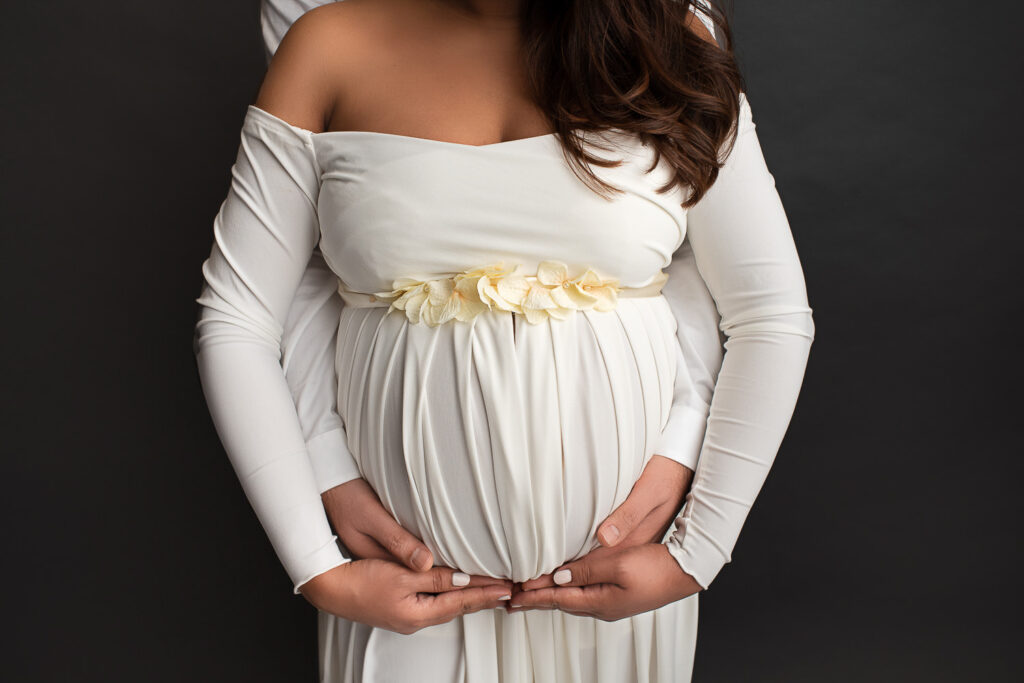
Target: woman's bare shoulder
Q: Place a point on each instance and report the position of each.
(315, 58)
(696, 25)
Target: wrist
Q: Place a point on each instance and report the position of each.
(325, 591)
(683, 583)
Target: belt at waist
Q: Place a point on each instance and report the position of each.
(550, 293)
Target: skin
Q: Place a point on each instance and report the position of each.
(629, 573)
(329, 73)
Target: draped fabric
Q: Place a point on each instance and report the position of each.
(500, 443)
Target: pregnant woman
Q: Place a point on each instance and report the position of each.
(509, 357)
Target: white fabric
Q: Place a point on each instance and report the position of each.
(500, 443)
(464, 429)
(277, 16)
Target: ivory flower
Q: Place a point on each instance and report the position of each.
(604, 292)
(588, 290)
(463, 296)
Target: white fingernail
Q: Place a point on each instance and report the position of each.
(460, 579)
(562, 576)
(505, 597)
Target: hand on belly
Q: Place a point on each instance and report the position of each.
(645, 516)
(504, 453)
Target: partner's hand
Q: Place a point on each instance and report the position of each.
(654, 501)
(368, 530)
(646, 514)
(612, 583)
(387, 595)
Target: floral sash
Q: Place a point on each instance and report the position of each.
(550, 293)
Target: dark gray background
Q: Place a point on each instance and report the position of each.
(885, 545)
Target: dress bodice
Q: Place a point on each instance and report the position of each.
(393, 206)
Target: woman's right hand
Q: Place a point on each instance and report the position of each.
(384, 594)
(367, 529)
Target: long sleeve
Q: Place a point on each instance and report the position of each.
(699, 348)
(308, 349)
(698, 358)
(264, 233)
(310, 331)
(744, 251)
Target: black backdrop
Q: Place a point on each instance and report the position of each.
(885, 543)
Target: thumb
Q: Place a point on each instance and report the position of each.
(394, 538)
(588, 570)
(618, 525)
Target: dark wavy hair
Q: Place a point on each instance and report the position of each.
(637, 66)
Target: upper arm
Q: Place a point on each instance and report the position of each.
(299, 86)
(743, 245)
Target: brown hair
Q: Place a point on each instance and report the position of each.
(635, 65)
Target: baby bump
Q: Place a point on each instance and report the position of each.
(501, 444)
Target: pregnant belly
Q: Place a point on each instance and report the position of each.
(504, 445)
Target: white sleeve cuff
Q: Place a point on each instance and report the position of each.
(324, 559)
(333, 463)
(697, 554)
(683, 435)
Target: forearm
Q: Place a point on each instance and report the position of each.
(252, 412)
(746, 254)
(753, 402)
(308, 351)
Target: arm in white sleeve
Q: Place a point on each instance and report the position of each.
(308, 348)
(264, 234)
(745, 252)
(699, 348)
(698, 358)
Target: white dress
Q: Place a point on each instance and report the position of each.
(501, 443)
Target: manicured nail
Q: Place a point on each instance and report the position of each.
(611, 533)
(505, 597)
(460, 579)
(562, 576)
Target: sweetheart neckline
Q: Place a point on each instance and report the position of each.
(433, 140)
(399, 136)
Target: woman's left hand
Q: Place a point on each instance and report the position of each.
(610, 583)
(643, 518)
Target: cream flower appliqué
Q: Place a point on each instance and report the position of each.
(549, 293)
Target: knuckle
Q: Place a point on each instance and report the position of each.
(440, 582)
(630, 516)
(622, 570)
(398, 622)
(410, 623)
(393, 542)
(406, 629)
